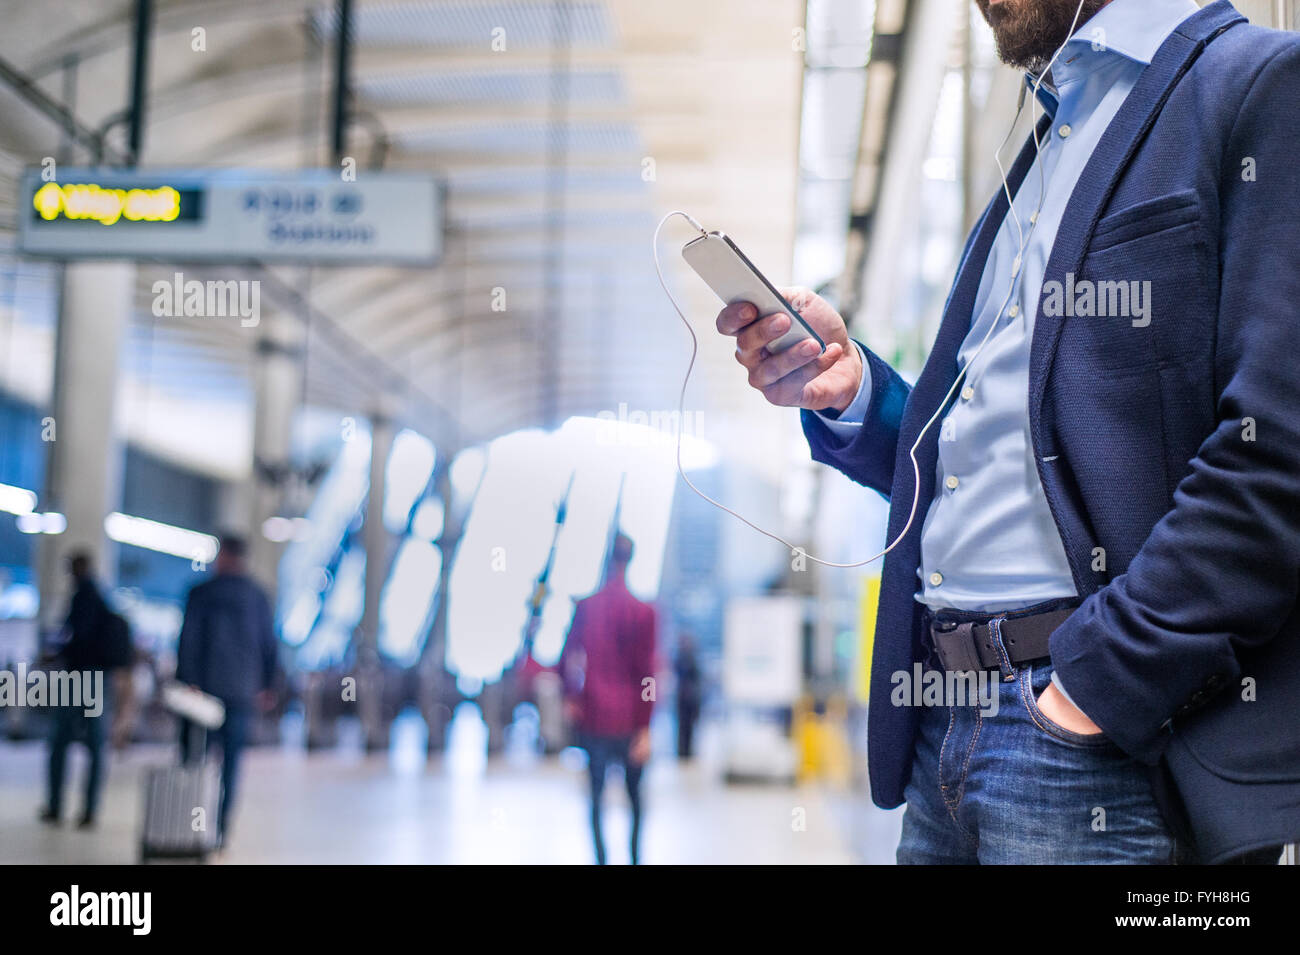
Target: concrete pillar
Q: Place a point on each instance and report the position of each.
(379, 555)
(234, 506)
(494, 703)
(83, 479)
(278, 382)
(434, 681)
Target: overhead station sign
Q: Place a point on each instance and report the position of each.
(232, 216)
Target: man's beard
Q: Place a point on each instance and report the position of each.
(1028, 32)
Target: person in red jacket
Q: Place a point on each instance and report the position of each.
(608, 671)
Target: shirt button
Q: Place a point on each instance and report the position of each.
(936, 579)
(1065, 131)
(967, 393)
(951, 483)
(1014, 311)
(1033, 218)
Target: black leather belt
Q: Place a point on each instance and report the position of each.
(971, 645)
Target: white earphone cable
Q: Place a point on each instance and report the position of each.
(1023, 237)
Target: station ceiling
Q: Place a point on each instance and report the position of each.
(558, 152)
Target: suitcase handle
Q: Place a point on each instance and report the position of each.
(189, 727)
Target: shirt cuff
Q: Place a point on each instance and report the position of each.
(846, 424)
(1056, 682)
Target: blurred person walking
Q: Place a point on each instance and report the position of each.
(608, 671)
(690, 693)
(227, 648)
(89, 645)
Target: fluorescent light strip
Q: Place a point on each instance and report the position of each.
(163, 538)
(51, 522)
(17, 500)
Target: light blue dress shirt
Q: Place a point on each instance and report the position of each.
(989, 542)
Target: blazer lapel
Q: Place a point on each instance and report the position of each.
(1101, 175)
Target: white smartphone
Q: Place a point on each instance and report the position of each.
(726, 270)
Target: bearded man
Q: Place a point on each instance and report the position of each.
(1095, 480)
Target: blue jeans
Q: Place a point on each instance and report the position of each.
(70, 723)
(231, 735)
(1017, 788)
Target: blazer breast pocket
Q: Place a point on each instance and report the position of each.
(1149, 217)
(1145, 295)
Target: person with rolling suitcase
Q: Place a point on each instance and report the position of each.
(227, 649)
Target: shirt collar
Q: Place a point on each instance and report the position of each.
(1131, 29)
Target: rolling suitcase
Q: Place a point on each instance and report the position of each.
(180, 809)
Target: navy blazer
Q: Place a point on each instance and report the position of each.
(1171, 451)
(227, 645)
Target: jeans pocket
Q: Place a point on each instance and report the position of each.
(1032, 681)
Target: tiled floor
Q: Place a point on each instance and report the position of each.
(343, 807)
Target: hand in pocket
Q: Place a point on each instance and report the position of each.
(1065, 714)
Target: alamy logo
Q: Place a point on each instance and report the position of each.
(654, 428)
(75, 907)
(82, 689)
(922, 687)
(211, 299)
(1088, 299)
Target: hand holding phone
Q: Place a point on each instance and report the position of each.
(820, 370)
(779, 332)
(798, 377)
